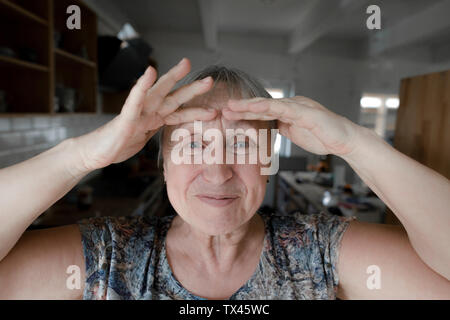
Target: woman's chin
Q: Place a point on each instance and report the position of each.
(216, 221)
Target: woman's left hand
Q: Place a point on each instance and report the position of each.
(305, 122)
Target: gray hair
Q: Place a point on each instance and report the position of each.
(236, 81)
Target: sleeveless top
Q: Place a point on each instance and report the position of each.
(125, 258)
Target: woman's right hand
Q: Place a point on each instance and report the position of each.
(148, 107)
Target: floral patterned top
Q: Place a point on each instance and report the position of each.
(126, 258)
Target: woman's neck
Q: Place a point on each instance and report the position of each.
(218, 253)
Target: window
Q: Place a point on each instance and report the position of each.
(282, 144)
(379, 113)
(276, 93)
(127, 32)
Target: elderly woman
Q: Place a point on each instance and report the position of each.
(218, 245)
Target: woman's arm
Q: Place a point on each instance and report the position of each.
(419, 196)
(28, 188)
(377, 261)
(44, 264)
(34, 265)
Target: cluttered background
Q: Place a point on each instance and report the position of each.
(61, 80)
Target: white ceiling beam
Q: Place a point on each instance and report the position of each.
(319, 18)
(417, 27)
(208, 14)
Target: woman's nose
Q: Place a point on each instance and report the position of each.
(217, 173)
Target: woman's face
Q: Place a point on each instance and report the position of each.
(214, 198)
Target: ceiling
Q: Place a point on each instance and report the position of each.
(274, 17)
(157, 15)
(303, 22)
(392, 11)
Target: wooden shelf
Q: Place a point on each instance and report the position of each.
(41, 114)
(72, 113)
(31, 87)
(75, 58)
(23, 63)
(17, 115)
(15, 9)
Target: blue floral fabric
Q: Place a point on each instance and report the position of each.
(126, 258)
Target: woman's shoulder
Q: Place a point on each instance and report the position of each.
(319, 228)
(123, 228)
(132, 221)
(307, 221)
(305, 249)
(118, 252)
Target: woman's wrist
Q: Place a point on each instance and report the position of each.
(72, 159)
(369, 155)
(364, 142)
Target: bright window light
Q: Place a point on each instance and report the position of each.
(127, 32)
(370, 102)
(392, 103)
(277, 145)
(276, 93)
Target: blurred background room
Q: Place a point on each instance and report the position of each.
(57, 83)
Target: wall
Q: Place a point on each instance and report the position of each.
(333, 72)
(24, 137)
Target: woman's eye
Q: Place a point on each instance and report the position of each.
(242, 147)
(241, 144)
(194, 145)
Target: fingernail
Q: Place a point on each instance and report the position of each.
(181, 61)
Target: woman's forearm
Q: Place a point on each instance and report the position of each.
(419, 196)
(28, 188)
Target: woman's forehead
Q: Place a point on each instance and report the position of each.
(219, 122)
(217, 99)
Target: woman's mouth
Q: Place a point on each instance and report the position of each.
(217, 200)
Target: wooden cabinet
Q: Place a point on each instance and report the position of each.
(423, 123)
(40, 58)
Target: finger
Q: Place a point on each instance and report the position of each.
(308, 102)
(164, 85)
(184, 94)
(232, 115)
(133, 105)
(243, 104)
(190, 115)
(277, 108)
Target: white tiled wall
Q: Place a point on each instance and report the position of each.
(22, 138)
